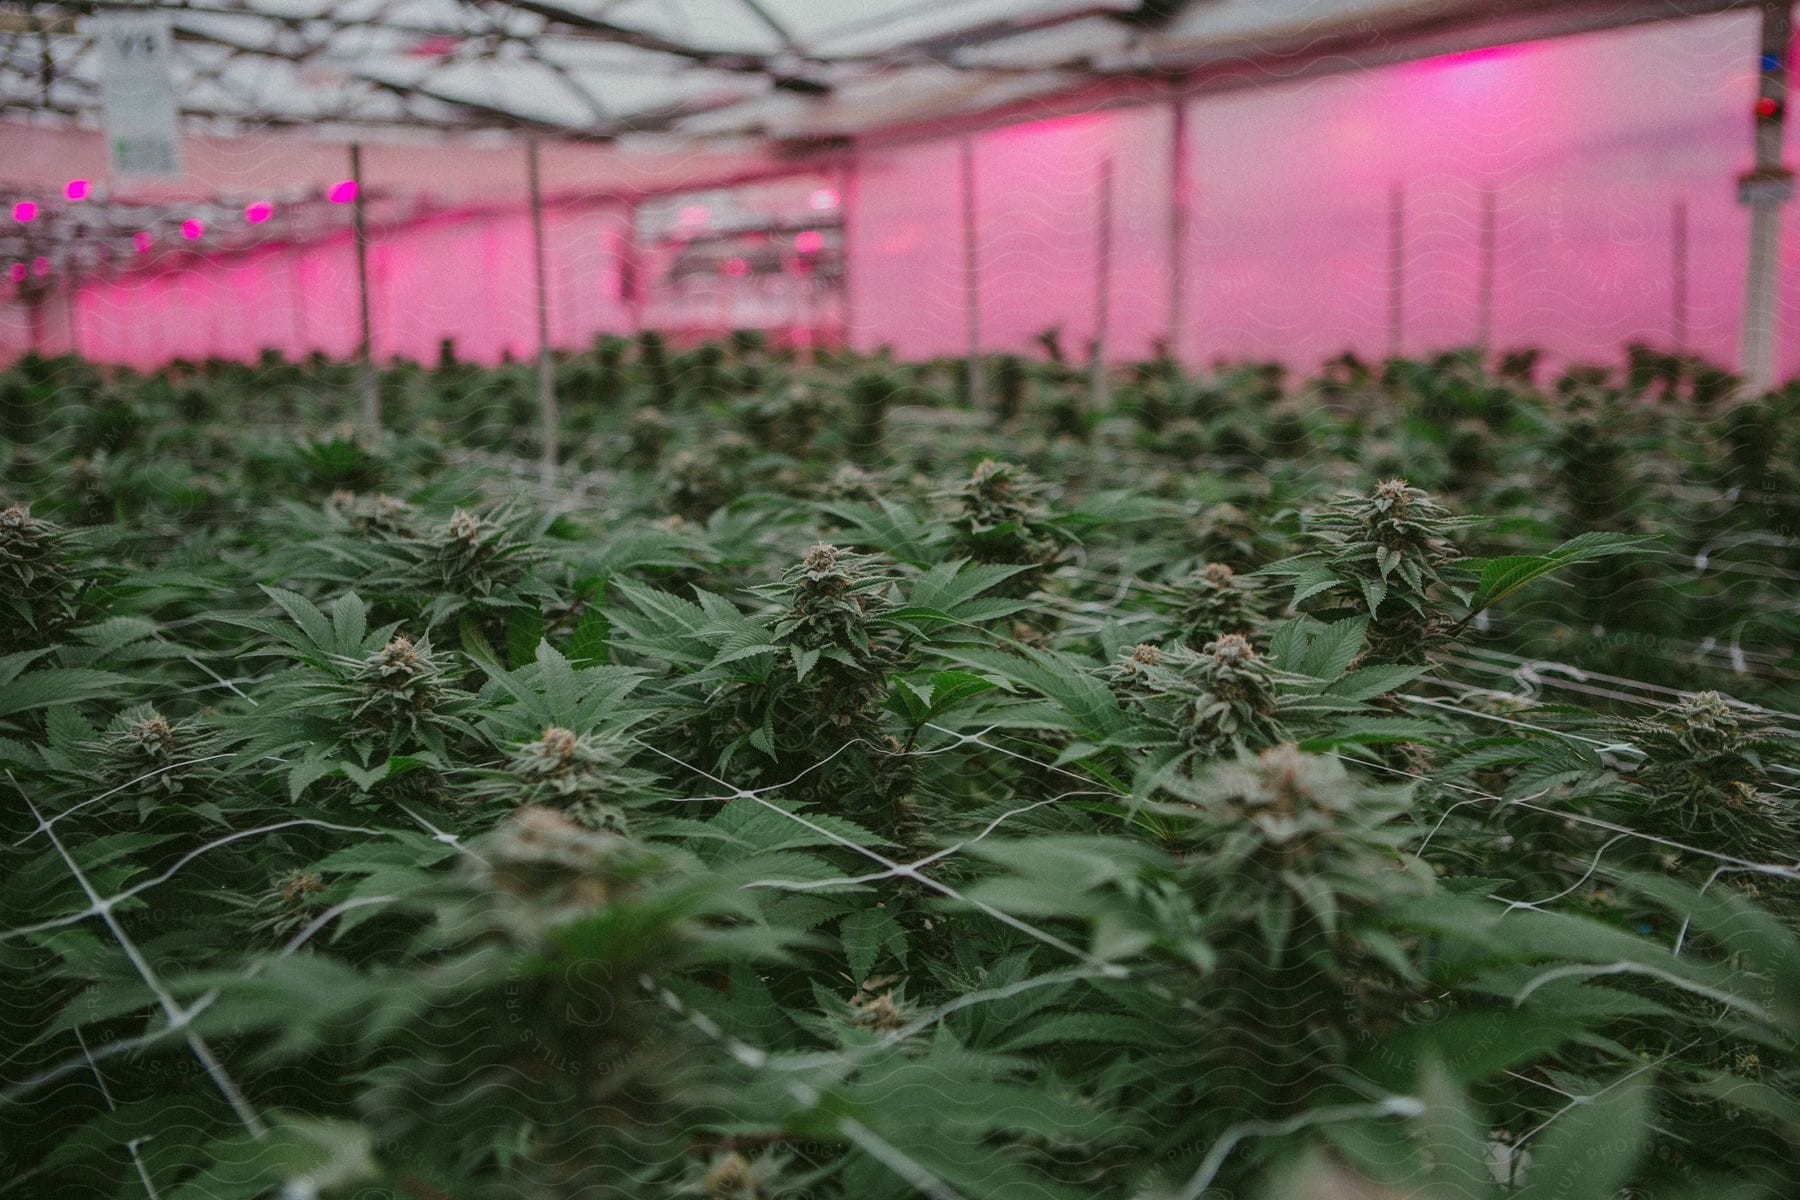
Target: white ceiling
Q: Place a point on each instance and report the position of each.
(647, 69)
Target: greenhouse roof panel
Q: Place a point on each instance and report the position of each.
(605, 69)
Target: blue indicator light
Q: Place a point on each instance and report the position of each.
(1771, 62)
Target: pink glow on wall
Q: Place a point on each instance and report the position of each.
(193, 228)
(258, 211)
(342, 192)
(24, 212)
(76, 189)
(1585, 143)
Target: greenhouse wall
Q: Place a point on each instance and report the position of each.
(1585, 144)
(466, 277)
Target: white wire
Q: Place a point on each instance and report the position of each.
(234, 1097)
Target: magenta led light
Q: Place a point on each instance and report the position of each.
(192, 228)
(342, 192)
(24, 211)
(76, 189)
(809, 241)
(258, 212)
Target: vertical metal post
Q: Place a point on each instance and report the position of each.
(803, 331)
(1678, 276)
(371, 400)
(1396, 270)
(971, 273)
(1102, 291)
(546, 369)
(848, 183)
(34, 316)
(1765, 189)
(297, 302)
(1181, 200)
(631, 280)
(70, 311)
(1484, 298)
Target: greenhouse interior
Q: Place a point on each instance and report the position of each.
(1003, 600)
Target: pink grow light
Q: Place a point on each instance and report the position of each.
(258, 212)
(809, 241)
(141, 241)
(192, 228)
(342, 192)
(737, 267)
(76, 189)
(16, 272)
(24, 211)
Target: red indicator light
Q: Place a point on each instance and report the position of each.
(1768, 108)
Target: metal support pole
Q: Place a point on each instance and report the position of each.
(371, 400)
(546, 369)
(70, 313)
(297, 302)
(1181, 201)
(803, 330)
(1396, 269)
(34, 318)
(1678, 276)
(1765, 189)
(848, 183)
(631, 281)
(971, 273)
(1484, 298)
(1102, 292)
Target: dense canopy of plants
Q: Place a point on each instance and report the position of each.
(1376, 785)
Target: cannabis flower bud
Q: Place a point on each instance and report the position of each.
(153, 736)
(820, 560)
(465, 526)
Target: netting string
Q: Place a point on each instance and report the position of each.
(240, 1107)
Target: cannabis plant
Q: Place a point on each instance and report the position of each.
(1212, 602)
(41, 589)
(1704, 779)
(999, 516)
